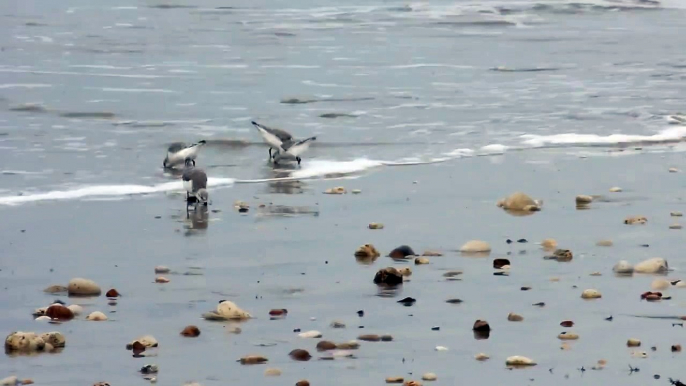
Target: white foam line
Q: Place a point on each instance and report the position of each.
(106, 191)
(140, 76)
(668, 135)
(25, 85)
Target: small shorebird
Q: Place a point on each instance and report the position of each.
(286, 148)
(178, 152)
(195, 183)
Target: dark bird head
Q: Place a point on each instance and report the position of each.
(202, 142)
(190, 162)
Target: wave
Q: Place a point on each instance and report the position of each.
(103, 191)
(675, 134)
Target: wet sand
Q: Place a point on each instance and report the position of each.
(305, 263)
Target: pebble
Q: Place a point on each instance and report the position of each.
(161, 269)
(567, 323)
(676, 214)
(429, 377)
(402, 252)
(310, 334)
(660, 284)
(302, 382)
(519, 201)
(475, 246)
(96, 316)
(336, 190)
(113, 293)
(500, 263)
(161, 279)
(395, 380)
(654, 265)
(676, 348)
(272, 372)
(421, 261)
(632, 342)
(59, 312)
(673, 170)
(83, 287)
(623, 268)
(482, 357)
(675, 226)
(375, 225)
(227, 310)
(367, 251)
(615, 189)
(568, 336)
(190, 331)
(549, 244)
(512, 317)
(584, 199)
(412, 383)
(441, 348)
(356, 191)
(145, 340)
(337, 324)
(481, 325)
(604, 243)
(388, 276)
(253, 360)
(518, 360)
(325, 345)
(300, 355)
(635, 220)
(591, 294)
(432, 253)
(55, 289)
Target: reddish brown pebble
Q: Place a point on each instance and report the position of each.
(277, 312)
(369, 338)
(304, 382)
(325, 345)
(567, 323)
(59, 312)
(300, 355)
(191, 331)
(27, 382)
(651, 296)
(138, 347)
(676, 348)
(112, 293)
(481, 325)
(161, 279)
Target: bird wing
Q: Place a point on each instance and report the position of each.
(269, 137)
(199, 179)
(175, 147)
(300, 147)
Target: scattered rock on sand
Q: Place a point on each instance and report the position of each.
(584, 199)
(56, 289)
(161, 280)
(375, 225)
(145, 341)
(421, 261)
(272, 372)
(96, 316)
(520, 202)
(604, 243)
(475, 246)
(518, 360)
(432, 253)
(191, 331)
(302, 382)
(14, 381)
(252, 360)
(367, 251)
(53, 340)
(300, 355)
(412, 383)
(660, 284)
(310, 334)
(549, 244)
(560, 255)
(161, 269)
(675, 226)
(481, 357)
(113, 293)
(481, 325)
(83, 287)
(567, 336)
(623, 268)
(369, 338)
(25, 342)
(336, 190)
(673, 170)
(676, 214)
(635, 220)
(395, 380)
(633, 342)
(429, 377)
(501, 263)
(654, 265)
(356, 191)
(512, 317)
(59, 312)
(388, 276)
(615, 189)
(591, 294)
(402, 252)
(676, 348)
(337, 324)
(227, 310)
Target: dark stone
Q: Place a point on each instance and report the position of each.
(388, 276)
(499, 263)
(408, 301)
(402, 252)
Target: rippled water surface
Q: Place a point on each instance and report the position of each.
(92, 93)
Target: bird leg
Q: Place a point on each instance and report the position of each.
(270, 153)
(298, 159)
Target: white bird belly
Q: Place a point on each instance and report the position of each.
(188, 185)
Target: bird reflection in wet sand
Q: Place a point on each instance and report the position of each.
(283, 187)
(287, 211)
(196, 221)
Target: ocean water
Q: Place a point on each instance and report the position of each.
(435, 109)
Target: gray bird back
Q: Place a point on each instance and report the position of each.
(197, 176)
(176, 146)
